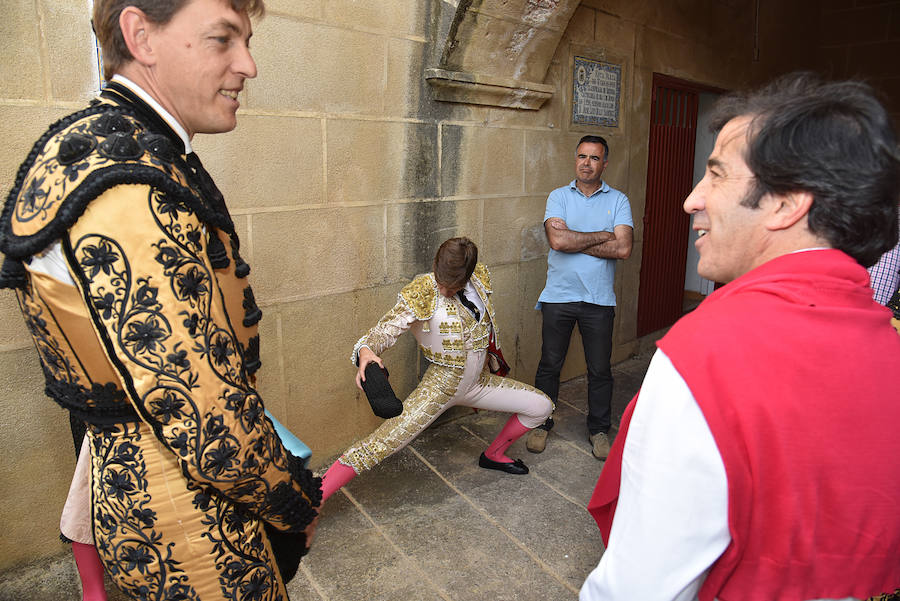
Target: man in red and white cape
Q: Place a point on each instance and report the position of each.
(760, 461)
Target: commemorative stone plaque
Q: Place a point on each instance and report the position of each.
(597, 89)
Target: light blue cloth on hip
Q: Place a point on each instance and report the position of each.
(291, 442)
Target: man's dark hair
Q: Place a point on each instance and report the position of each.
(454, 262)
(596, 140)
(834, 140)
(106, 24)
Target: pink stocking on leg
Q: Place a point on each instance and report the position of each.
(510, 433)
(90, 570)
(335, 478)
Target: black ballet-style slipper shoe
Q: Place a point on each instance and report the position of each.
(384, 402)
(516, 467)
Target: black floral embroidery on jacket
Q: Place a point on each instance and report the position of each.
(95, 402)
(244, 563)
(125, 525)
(230, 454)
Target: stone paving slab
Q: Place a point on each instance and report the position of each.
(429, 525)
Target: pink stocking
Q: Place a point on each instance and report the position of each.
(335, 478)
(90, 570)
(510, 433)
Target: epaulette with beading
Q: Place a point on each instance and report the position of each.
(482, 274)
(75, 161)
(420, 295)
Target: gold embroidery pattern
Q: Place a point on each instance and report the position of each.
(450, 344)
(450, 327)
(386, 332)
(421, 296)
(418, 301)
(483, 276)
(420, 408)
(489, 308)
(481, 279)
(445, 359)
(480, 335)
(494, 381)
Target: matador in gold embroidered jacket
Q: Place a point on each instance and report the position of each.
(148, 333)
(455, 341)
(443, 329)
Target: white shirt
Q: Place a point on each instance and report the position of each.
(472, 296)
(671, 520)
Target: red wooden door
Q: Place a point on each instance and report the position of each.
(673, 125)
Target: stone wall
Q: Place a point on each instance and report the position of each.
(46, 72)
(345, 174)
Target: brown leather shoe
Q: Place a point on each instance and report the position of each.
(537, 440)
(600, 445)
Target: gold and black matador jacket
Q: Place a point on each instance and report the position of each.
(155, 347)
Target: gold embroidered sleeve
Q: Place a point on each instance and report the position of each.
(141, 263)
(386, 332)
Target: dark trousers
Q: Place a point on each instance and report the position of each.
(595, 322)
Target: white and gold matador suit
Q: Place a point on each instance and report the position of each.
(455, 344)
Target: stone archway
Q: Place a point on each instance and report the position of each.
(497, 52)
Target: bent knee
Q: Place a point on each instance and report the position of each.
(537, 412)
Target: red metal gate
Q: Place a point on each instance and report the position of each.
(673, 125)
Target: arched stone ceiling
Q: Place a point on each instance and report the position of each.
(497, 52)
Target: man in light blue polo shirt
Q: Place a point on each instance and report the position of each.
(589, 226)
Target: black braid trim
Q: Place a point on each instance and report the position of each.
(894, 304)
(288, 547)
(36, 150)
(283, 503)
(288, 504)
(13, 274)
(103, 404)
(28, 163)
(95, 184)
(79, 429)
(252, 312)
(309, 484)
(252, 362)
(290, 507)
(252, 317)
(241, 268)
(217, 253)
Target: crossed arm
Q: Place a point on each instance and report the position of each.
(603, 245)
